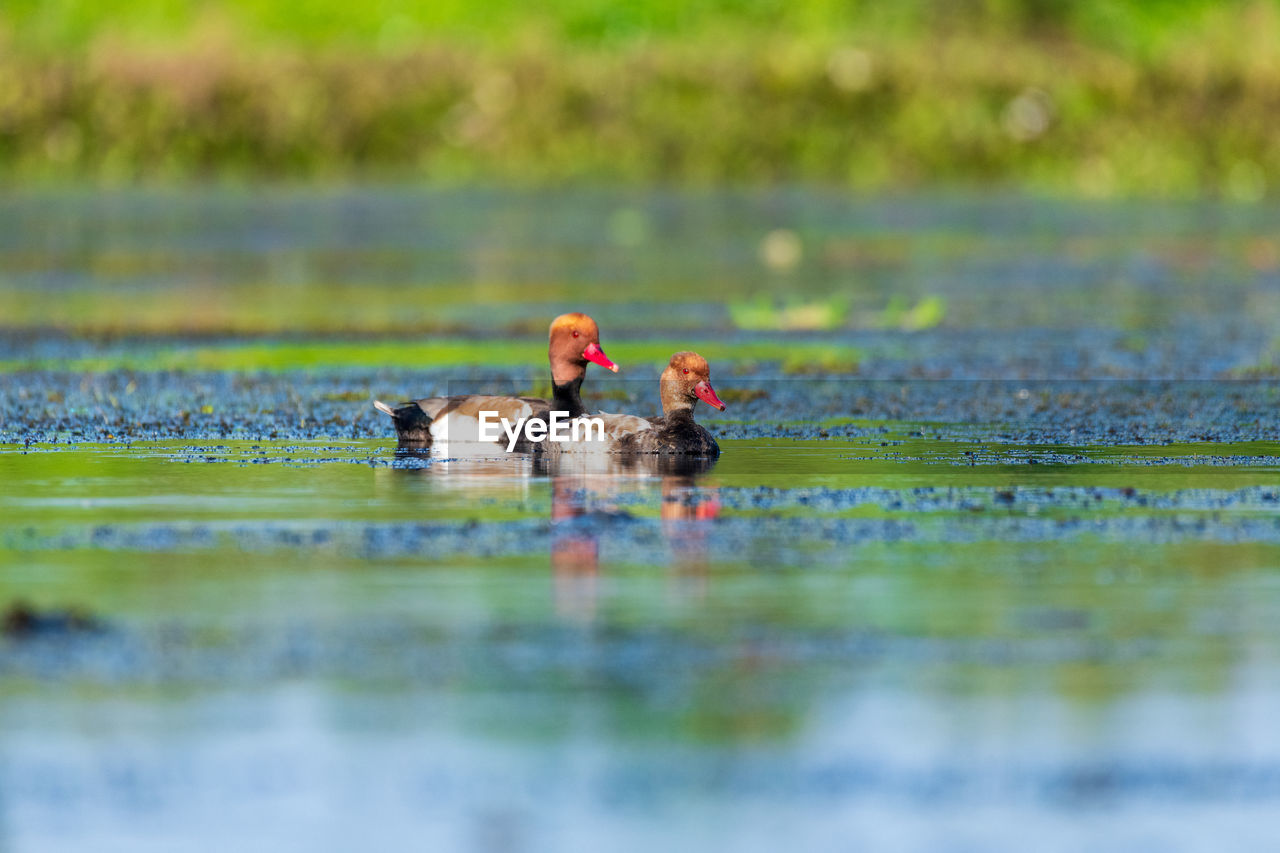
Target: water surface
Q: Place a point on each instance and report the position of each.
(992, 551)
(808, 637)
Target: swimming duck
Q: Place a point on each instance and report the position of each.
(685, 381)
(573, 341)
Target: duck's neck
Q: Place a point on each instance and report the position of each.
(564, 398)
(676, 401)
(677, 410)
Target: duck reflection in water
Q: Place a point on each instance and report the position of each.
(585, 493)
(589, 498)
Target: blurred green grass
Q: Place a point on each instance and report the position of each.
(793, 356)
(1092, 98)
(1129, 26)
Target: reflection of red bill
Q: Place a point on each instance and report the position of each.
(707, 394)
(594, 353)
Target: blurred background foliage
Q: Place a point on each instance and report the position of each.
(1096, 98)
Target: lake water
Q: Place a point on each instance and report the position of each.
(1012, 576)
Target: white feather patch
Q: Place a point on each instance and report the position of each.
(459, 428)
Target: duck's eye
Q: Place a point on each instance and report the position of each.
(686, 370)
(575, 333)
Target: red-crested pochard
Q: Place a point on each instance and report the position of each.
(686, 380)
(574, 340)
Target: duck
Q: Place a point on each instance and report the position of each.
(573, 342)
(685, 381)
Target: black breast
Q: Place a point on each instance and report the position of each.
(672, 436)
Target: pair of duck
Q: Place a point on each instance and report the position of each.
(574, 341)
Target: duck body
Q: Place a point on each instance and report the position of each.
(686, 380)
(574, 340)
(670, 435)
(456, 418)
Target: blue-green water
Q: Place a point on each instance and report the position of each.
(321, 644)
(991, 557)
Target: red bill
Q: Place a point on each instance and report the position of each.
(594, 353)
(707, 394)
